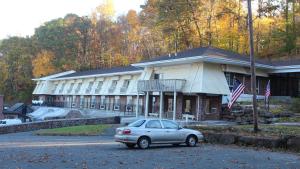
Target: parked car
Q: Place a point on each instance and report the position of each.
(155, 131)
(5, 122)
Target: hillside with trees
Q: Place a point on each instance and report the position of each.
(101, 40)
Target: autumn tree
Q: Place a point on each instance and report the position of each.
(43, 64)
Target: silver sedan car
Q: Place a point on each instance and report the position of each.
(155, 131)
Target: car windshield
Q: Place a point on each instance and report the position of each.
(137, 123)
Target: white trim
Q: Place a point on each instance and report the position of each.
(200, 58)
(284, 70)
(99, 75)
(55, 75)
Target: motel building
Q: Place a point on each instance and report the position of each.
(191, 84)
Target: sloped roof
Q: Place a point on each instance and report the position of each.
(220, 53)
(102, 71)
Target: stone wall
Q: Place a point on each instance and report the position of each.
(285, 142)
(57, 124)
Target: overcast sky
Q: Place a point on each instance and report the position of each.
(20, 17)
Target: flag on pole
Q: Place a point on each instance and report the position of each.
(238, 89)
(268, 91)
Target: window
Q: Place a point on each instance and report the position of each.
(102, 100)
(99, 86)
(89, 87)
(257, 85)
(187, 108)
(138, 123)
(169, 124)
(230, 79)
(55, 87)
(153, 124)
(78, 87)
(129, 100)
(210, 105)
(62, 88)
(71, 88)
(117, 100)
(158, 76)
(207, 106)
(125, 86)
(126, 83)
(113, 86)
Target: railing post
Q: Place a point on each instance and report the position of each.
(174, 103)
(161, 104)
(174, 106)
(137, 105)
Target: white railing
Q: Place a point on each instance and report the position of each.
(161, 85)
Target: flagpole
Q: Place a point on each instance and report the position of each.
(269, 104)
(253, 76)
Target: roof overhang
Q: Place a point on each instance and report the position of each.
(200, 58)
(55, 75)
(210, 59)
(99, 75)
(286, 69)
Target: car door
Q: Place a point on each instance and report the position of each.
(172, 131)
(153, 129)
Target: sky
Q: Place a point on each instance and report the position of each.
(21, 17)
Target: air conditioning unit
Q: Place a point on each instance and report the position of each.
(116, 107)
(73, 104)
(213, 110)
(93, 106)
(102, 107)
(129, 108)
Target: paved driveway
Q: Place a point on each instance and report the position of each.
(23, 150)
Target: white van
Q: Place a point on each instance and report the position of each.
(5, 122)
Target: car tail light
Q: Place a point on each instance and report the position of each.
(127, 131)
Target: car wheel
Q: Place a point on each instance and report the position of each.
(130, 145)
(191, 141)
(143, 142)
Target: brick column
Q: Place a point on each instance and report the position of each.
(200, 107)
(179, 106)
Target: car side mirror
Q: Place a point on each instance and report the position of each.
(179, 127)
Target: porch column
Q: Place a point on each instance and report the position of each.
(198, 107)
(161, 104)
(147, 104)
(174, 106)
(137, 105)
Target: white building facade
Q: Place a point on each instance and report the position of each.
(189, 84)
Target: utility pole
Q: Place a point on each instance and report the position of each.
(252, 60)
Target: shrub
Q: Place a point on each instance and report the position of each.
(295, 105)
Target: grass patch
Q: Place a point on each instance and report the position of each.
(289, 119)
(247, 130)
(85, 130)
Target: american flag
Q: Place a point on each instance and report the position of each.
(268, 91)
(238, 89)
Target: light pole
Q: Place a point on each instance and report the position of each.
(252, 60)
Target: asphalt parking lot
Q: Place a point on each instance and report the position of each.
(27, 151)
